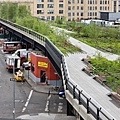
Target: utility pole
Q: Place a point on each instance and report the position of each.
(13, 79)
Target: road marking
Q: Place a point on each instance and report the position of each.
(26, 104)
(47, 103)
(60, 98)
(60, 107)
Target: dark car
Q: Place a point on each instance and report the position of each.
(61, 93)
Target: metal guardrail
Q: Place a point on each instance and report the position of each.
(77, 93)
(29, 31)
(86, 101)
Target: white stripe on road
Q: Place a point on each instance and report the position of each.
(60, 107)
(26, 104)
(47, 103)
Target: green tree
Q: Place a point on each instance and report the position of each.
(22, 11)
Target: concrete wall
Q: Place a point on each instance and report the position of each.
(79, 108)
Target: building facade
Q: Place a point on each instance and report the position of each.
(73, 9)
(42, 70)
(70, 9)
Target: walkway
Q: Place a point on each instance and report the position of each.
(94, 89)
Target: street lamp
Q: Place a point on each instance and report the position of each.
(13, 79)
(56, 81)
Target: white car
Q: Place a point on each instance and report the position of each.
(26, 65)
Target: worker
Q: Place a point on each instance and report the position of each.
(19, 73)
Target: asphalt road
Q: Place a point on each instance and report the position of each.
(37, 102)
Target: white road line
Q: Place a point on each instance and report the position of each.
(47, 103)
(26, 104)
(60, 107)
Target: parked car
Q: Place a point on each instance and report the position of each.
(26, 65)
(61, 93)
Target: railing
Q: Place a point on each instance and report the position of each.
(91, 106)
(29, 31)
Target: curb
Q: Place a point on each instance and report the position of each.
(49, 92)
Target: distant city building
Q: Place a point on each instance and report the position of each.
(110, 16)
(70, 9)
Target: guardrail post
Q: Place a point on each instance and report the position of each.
(74, 91)
(88, 100)
(80, 96)
(66, 83)
(98, 111)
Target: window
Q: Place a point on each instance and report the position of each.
(100, 1)
(50, 6)
(81, 1)
(95, 1)
(48, 17)
(90, 7)
(40, 5)
(77, 7)
(81, 13)
(40, 0)
(73, 14)
(105, 8)
(90, 13)
(100, 7)
(105, 1)
(40, 11)
(52, 18)
(69, 1)
(50, 11)
(73, 8)
(50, 1)
(78, 1)
(90, 1)
(60, 11)
(69, 14)
(77, 13)
(69, 7)
(60, 0)
(73, 1)
(60, 5)
(69, 19)
(81, 7)
(42, 18)
(95, 7)
(95, 13)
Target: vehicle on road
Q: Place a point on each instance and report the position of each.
(19, 76)
(61, 93)
(26, 65)
(12, 63)
(24, 55)
(11, 46)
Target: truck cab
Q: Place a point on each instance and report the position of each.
(23, 54)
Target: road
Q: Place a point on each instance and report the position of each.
(37, 102)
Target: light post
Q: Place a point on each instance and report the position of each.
(56, 81)
(13, 79)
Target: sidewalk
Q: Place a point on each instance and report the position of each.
(40, 87)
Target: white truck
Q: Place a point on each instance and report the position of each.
(23, 54)
(12, 62)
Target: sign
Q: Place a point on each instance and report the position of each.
(43, 64)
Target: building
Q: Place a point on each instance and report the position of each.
(70, 9)
(42, 71)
